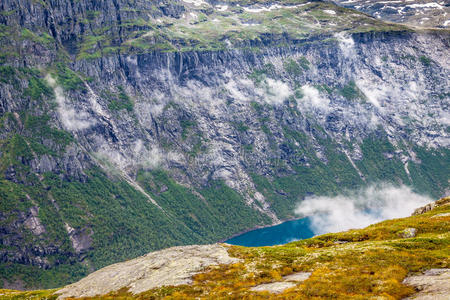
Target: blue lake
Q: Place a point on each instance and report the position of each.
(275, 235)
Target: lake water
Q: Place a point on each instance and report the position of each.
(275, 235)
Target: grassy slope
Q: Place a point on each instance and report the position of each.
(371, 263)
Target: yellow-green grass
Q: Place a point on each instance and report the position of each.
(356, 264)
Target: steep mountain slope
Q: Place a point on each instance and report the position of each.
(130, 126)
(383, 261)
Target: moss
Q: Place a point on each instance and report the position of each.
(304, 63)
(351, 92)
(120, 101)
(426, 61)
(292, 67)
(68, 79)
(37, 88)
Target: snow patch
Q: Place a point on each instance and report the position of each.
(426, 5)
(196, 2)
(221, 7)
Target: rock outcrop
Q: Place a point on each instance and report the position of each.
(168, 267)
(433, 284)
(431, 206)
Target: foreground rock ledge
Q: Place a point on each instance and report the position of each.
(434, 284)
(172, 266)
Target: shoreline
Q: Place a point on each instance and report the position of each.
(258, 227)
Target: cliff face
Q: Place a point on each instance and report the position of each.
(141, 125)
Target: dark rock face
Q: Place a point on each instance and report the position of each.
(274, 118)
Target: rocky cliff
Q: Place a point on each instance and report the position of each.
(130, 126)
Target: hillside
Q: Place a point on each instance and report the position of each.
(422, 13)
(128, 126)
(383, 261)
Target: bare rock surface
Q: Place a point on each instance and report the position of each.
(431, 206)
(273, 287)
(172, 266)
(408, 233)
(434, 284)
(279, 286)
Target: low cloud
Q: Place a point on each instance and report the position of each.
(346, 44)
(360, 208)
(275, 91)
(313, 99)
(72, 119)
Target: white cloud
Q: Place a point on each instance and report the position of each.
(346, 43)
(357, 209)
(71, 119)
(313, 99)
(275, 91)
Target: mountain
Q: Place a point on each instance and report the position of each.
(132, 126)
(389, 260)
(423, 13)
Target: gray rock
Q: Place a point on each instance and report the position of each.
(408, 233)
(173, 266)
(434, 284)
(280, 286)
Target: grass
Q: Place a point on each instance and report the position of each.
(68, 79)
(120, 101)
(350, 91)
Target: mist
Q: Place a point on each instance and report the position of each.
(360, 208)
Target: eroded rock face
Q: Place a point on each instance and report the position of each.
(441, 202)
(434, 284)
(173, 266)
(33, 223)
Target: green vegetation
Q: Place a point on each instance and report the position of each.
(120, 101)
(37, 88)
(351, 91)
(68, 79)
(259, 75)
(240, 126)
(292, 67)
(304, 63)
(43, 38)
(425, 60)
(212, 212)
(204, 30)
(39, 127)
(186, 125)
(7, 74)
